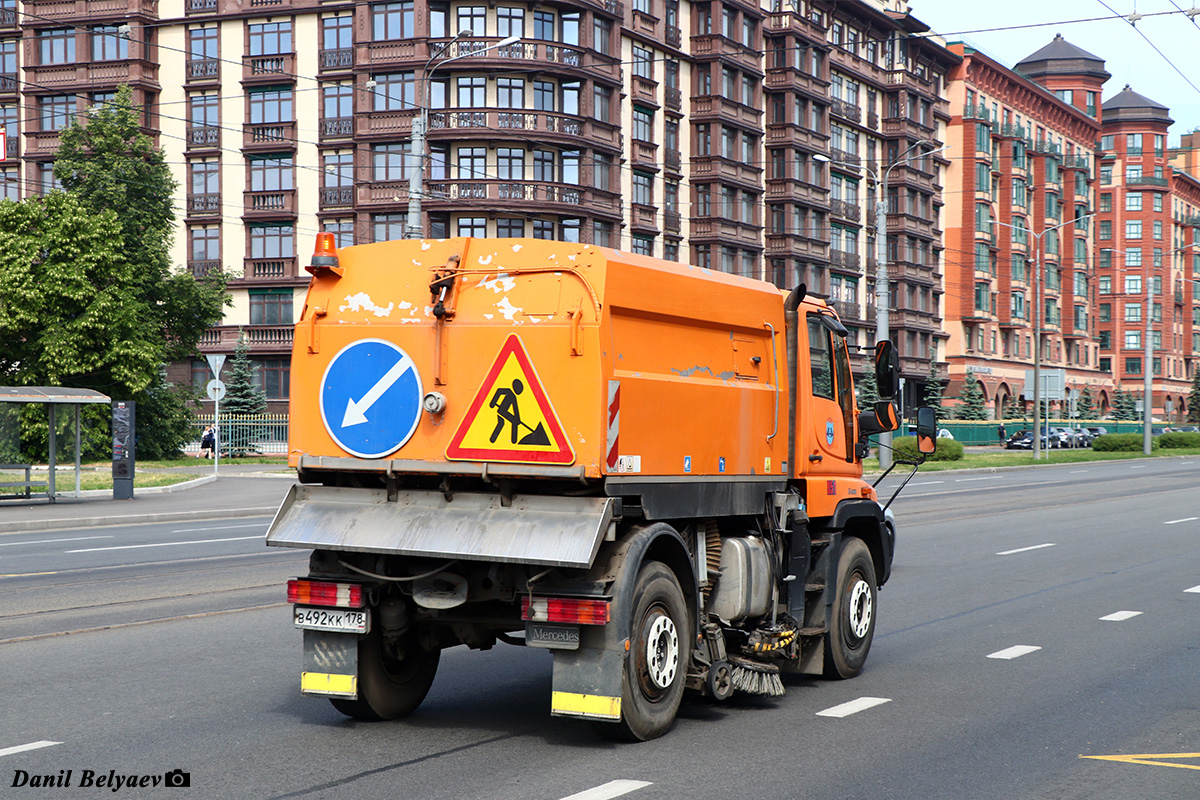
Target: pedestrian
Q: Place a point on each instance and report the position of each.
(208, 442)
(1001, 432)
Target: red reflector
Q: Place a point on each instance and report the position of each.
(324, 593)
(565, 609)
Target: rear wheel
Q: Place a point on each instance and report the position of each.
(659, 653)
(389, 688)
(852, 618)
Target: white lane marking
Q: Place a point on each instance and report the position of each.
(1138, 466)
(985, 478)
(853, 707)
(1193, 590)
(162, 544)
(1077, 471)
(926, 483)
(1017, 651)
(222, 528)
(55, 541)
(1185, 519)
(608, 790)
(1121, 616)
(21, 748)
(1186, 463)
(1025, 549)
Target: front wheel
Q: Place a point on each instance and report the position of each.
(389, 688)
(660, 640)
(852, 618)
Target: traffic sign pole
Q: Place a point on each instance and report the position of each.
(216, 391)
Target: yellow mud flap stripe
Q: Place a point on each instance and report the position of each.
(585, 705)
(323, 683)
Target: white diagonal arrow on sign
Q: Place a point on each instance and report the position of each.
(356, 413)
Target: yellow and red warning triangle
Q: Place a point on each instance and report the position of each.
(511, 419)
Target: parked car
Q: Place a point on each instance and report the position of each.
(1097, 430)
(1079, 437)
(1014, 442)
(943, 433)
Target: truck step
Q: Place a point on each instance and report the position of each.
(814, 587)
(813, 631)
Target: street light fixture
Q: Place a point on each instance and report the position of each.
(420, 125)
(882, 283)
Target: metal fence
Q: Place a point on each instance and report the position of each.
(986, 431)
(245, 434)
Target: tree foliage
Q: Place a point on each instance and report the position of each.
(932, 396)
(972, 405)
(1193, 414)
(90, 299)
(241, 395)
(868, 390)
(1124, 406)
(1085, 406)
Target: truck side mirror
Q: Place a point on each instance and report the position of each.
(881, 419)
(926, 430)
(887, 369)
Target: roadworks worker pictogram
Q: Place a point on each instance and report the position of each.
(511, 419)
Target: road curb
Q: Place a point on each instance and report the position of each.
(132, 519)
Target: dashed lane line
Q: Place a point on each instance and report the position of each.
(161, 544)
(1026, 549)
(853, 707)
(55, 541)
(1121, 616)
(1177, 521)
(1193, 590)
(609, 790)
(1016, 651)
(21, 748)
(220, 528)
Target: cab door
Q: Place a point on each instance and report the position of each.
(830, 439)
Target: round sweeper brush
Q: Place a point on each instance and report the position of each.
(755, 677)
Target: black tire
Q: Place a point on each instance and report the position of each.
(852, 617)
(389, 689)
(660, 638)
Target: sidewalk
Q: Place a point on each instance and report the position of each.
(241, 490)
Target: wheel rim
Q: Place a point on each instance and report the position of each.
(662, 652)
(861, 607)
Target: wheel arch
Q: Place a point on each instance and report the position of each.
(657, 541)
(864, 519)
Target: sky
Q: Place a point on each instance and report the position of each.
(1010, 30)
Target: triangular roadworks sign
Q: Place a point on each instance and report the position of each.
(511, 419)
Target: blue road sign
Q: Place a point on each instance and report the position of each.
(371, 398)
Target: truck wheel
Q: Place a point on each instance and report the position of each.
(852, 618)
(387, 688)
(659, 653)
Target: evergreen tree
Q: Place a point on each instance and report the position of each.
(868, 390)
(241, 395)
(1124, 406)
(1085, 406)
(932, 396)
(1011, 411)
(972, 405)
(1193, 414)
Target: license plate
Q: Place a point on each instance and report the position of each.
(331, 619)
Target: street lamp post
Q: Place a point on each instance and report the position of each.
(882, 283)
(1038, 314)
(420, 126)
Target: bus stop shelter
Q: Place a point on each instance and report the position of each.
(52, 397)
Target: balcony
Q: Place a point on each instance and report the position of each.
(200, 6)
(724, 110)
(337, 128)
(12, 148)
(790, 245)
(844, 158)
(269, 205)
(269, 69)
(8, 84)
(645, 91)
(840, 258)
(94, 11)
(726, 231)
(644, 155)
(674, 36)
(644, 219)
(706, 168)
(674, 99)
(793, 136)
(260, 338)
(1146, 180)
(794, 22)
(202, 269)
(268, 136)
(489, 123)
(337, 197)
(711, 44)
(203, 205)
(844, 210)
(674, 160)
(339, 60)
(565, 199)
(903, 126)
(203, 137)
(203, 70)
(671, 222)
(39, 143)
(847, 310)
(270, 269)
(840, 108)
(92, 76)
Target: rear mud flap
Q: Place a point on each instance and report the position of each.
(330, 664)
(587, 681)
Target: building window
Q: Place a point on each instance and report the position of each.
(1133, 229)
(510, 227)
(510, 22)
(205, 177)
(270, 38)
(392, 21)
(472, 92)
(337, 32)
(643, 62)
(510, 163)
(342, 230)
(472, 226)
(108, 44)
(273, 376)
(10, 184)
(272, 174)
(643, 125)
(54, 112)
(473, 19)
(642, 245)
(387, 227)
(389, 162)
(393, 91)
(1133, 366)
(272, 241)
(472, 162)
(270, 306)
(56, 46)
(205, 245)
(643, 189)
(271, 105)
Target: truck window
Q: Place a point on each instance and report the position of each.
(845, 383)
(821, 357)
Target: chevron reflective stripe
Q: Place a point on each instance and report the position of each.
(614, 422)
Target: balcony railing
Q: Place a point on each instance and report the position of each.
(1145, 180)
(270, 268)
(203, 68)
(341, 58)
(203, 204)
(338, 127)
(202, 269)
(204, 136)
(335, 196)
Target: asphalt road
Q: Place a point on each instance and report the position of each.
(1034, 616)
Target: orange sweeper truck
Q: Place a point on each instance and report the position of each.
(653, 471)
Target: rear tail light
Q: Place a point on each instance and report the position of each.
(565, 609)
(325, 593)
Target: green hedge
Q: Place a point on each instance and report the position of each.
(1121, 442)
(947, 449)
(1175, 441)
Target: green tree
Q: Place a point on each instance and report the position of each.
(241, 395)
(868, 390)
(972, 405)
(932, 396)
(1085, 406)
(1011, 409)
(1124, 406)
(1193, 414)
